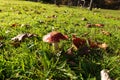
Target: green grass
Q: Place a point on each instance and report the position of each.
(35, 59)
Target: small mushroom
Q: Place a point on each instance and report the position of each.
(54, 37)
(106, 33)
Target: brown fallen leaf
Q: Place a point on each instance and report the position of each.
(89, 25)
(21, 37)
(97, 45)
(14, 25)
(111, 17)
(103, 45)
(92, 44)
(99, 25)
(78, 42)
(106, 33)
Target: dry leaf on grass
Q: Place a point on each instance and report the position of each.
(89, 25)
(103, 45)
(97, 45)
(106, 33)
(78, 42)
(92, 44)
(99, 25)
(21, 37)
(14, 25)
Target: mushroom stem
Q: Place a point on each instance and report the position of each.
(55, 46)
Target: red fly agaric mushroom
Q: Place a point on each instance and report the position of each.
(54, 37)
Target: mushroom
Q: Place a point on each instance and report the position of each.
(54, 37)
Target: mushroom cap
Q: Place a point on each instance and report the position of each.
(54, 37)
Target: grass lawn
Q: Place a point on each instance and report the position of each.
(33, 59)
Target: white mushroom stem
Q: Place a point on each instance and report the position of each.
(105, 75)
(55, 46)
